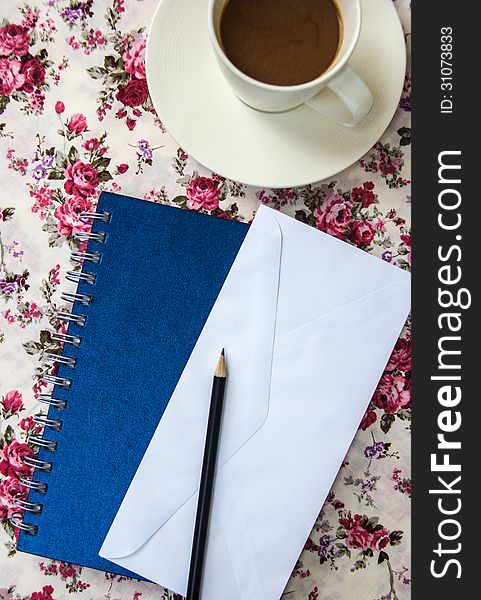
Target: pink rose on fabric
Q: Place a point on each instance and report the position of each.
(11, 78)
(81, 179)
(13, 402)
(11, 459)
(401, 356)
(77, 124)
(59, 107)
(134, 58)
(392, 393)
(334, 216)
(10, 488)
(406, 239)
(26, 423)
(91, 144)
(13, 40)
(68, 215)
(357, 535)
(34, 73)
(203, 192)
(380, 538)
(362, 233)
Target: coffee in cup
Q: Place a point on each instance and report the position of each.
(281, 42)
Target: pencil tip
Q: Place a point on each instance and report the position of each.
(221, 370)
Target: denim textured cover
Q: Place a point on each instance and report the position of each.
(160, 273)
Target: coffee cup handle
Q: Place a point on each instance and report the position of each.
(354, 95)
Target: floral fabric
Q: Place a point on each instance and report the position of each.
(75, 119)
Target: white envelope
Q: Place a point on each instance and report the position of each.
(308, 323)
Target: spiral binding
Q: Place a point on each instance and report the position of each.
(68, 361)
(17, 521)
(36, 463)
(70, 317)
(85, 299)
(77, 276)
(86, 236)
(50, 445)
(80, 257)
(46, 422)
(57, 403)
(64, 338)
(39, 486)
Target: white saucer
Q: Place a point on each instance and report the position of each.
(288, 149)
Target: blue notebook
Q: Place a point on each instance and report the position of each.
(160, 271)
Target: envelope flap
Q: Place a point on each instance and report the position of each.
(170, 470)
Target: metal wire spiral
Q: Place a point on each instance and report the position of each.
(46, 421)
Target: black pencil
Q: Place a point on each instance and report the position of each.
(206, 487)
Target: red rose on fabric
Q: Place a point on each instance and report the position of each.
(68, 215)
(34, 73)
(392, 393)
(10, 488)
(380, 538)
(11, 459)
(401, 356)
(66, 570)
(203, 192)
(362, 233)
(346, 522)
(122, 168)
(45, 594)
(13, 40)
(134, 93)
(77, 124)
(364, 195)
(13, 402)
(334, 216)
(368, 419)
(11, 78)
(82, 179)
(59, 107)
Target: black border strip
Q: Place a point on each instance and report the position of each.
(445, 237)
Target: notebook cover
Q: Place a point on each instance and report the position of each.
(159, 276)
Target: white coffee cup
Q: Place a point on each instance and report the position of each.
(347, 87)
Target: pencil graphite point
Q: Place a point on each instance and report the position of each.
(221, 369)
